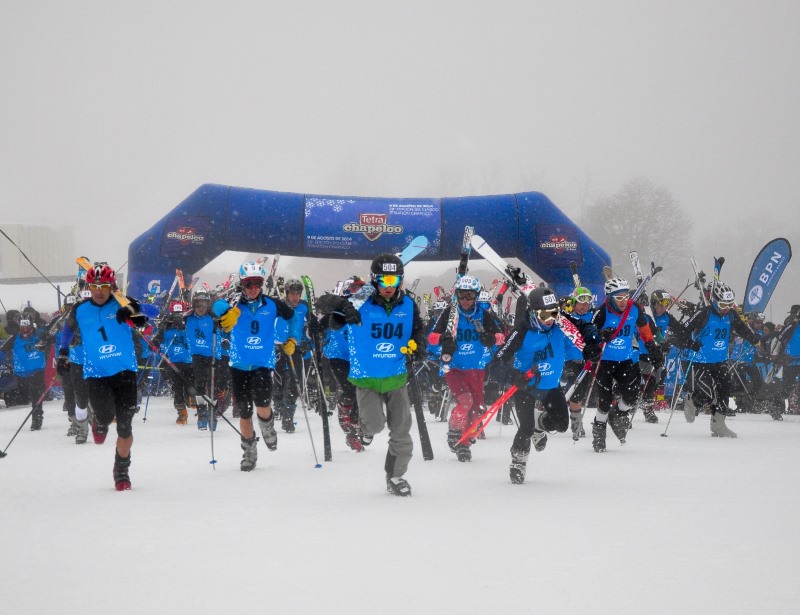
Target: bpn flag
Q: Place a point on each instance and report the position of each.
(765, 274)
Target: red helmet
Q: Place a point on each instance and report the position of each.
(101, 274)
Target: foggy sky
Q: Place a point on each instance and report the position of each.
(114, 112)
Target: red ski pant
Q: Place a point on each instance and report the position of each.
(467, 388)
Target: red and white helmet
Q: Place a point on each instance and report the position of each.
(101, 274)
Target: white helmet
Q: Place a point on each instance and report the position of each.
(723, 292)
(615, 285)
(467, 282)
(252, 269)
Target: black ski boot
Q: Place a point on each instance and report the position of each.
(619, 424)
(517, 469)
(36, 419)
(463, 453)
(287, 418)
(599, 437)
(122, 481)
(453, 436)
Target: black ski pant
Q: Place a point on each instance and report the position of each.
(711, 386)
(346, 390)
(557, 419)
(286, 383)
(183, 392)
(114, 397)
(33, 386)
(626, 375)
(201, 366)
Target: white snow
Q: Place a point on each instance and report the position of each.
(683, 524)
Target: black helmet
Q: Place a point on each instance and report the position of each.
(659, 295)
(542, 298)
(386, 264)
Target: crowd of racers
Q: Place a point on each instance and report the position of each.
(259, 346)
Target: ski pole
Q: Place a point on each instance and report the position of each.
(213, 410)
(27, 416)
(317, 464)
(677, 394)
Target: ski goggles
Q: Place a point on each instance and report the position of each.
(546, 316)
(583, 299)
(621, 296)
(664, 302)
(388, 280)
(98, 286)
(724, 305)
(467, 294)
(254, 283)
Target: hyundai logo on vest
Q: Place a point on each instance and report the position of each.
(107, 348)
(385, 347)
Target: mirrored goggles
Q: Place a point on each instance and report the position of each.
(547, 315)
(664, 302)
(98, 286)
(388, 280)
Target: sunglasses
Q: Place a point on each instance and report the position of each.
(622, 297)
(546, 315)
(388, 280)
(252, 283)
(98, 286)
(584, 299)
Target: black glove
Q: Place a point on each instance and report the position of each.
(655, 354)
(62, 366)
(487, 339)
(592, 352)
(694, 345)
(449, 346)
(351, 315)
(606, 334)
(518, 379)
(124, 313)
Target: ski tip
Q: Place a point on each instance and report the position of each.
(319, 465)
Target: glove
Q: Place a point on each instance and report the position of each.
(412, 351)
(487, 339)
(124, 313)
(695, 345)
(289, 347)
(351, 314)
(519, 379)
(62, 366)
(592, 352)
(655, 354)
(606, 334)
(449, 346)
(228, 320)
(225, 343)
(304, 346)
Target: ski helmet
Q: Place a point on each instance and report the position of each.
(723, 293)
(252, 269)
(25, 326)
(660, 296)
(756, 317)
(616, 285)
(542, 298)
(387, 264)
(582, 295)
(467, 282)
(175, 307)
(101, 274)
(200, 296)
(293, 284)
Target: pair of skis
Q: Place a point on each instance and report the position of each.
(461, 271)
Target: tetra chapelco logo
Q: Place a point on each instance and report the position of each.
(186, 235)
(372, 226)
(559, 244)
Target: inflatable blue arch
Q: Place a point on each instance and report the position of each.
(215, 218)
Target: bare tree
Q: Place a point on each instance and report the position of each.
(645, 217)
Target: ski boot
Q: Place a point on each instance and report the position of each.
(99, 432)
(689, 409)
(599, 436)
(517, 468)
(398, 485)
(366, 439)
(539, 440)
(619, 424)
(73, 427)
(250, 455)
(36, 419)
(81, 431)
(202, 417)
(453, 436)
(268, 432)
(463, 453)
(287, 418)
(122, 481)
(718, 427)
(650, 414)
(183, 416)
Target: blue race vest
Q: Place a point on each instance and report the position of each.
(27, 359)
(200, 334)
(253, 336)
(715, 337)
(542, 351)
(375, 344)
(621, 347)
(107, 345)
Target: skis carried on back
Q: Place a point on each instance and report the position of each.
(576, 278)
(461, 271)
(318, 342)
(413, 249)
(699, 281)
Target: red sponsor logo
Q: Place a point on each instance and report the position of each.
(372, 226)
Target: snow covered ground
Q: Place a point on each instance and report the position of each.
(686, 523)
